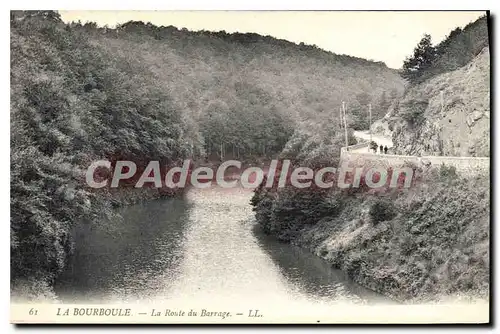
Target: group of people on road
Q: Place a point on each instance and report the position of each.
(382, 149)
(378, 149)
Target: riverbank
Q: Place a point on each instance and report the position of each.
(40, 287)
(201, 248)
(428, 243)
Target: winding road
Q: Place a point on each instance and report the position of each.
(365, 136)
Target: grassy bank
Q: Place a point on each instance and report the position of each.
(426, 243)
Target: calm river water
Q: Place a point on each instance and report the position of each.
(206, 247)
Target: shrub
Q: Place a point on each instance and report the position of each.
(447, 172)
(382, 210)
(414, 112)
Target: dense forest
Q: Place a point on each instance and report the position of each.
(427, 242)
(455, 51)
(80, 93)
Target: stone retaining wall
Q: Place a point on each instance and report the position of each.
(464, 165)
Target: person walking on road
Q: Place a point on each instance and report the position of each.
(381, 149)
(385, 149)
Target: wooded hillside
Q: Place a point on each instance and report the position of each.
(81, 93)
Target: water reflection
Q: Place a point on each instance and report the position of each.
(312, 275)
(134, 257)
(206, 248)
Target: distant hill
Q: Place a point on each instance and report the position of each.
(246, 76)
(429, 242)
(140, 92)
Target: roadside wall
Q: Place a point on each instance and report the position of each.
(463, 165)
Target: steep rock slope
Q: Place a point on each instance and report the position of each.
(448, 114)
(429, 242)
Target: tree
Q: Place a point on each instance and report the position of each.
(50, 15)
(423, 57)
(359, 111)
(393, 94)
(382, 106)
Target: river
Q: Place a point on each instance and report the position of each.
(204, 248)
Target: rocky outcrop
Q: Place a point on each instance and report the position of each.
(446, 115)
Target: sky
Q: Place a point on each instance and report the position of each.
(380, 36)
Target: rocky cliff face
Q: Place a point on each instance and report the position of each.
(446, 115)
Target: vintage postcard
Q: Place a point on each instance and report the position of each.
(222, 167)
